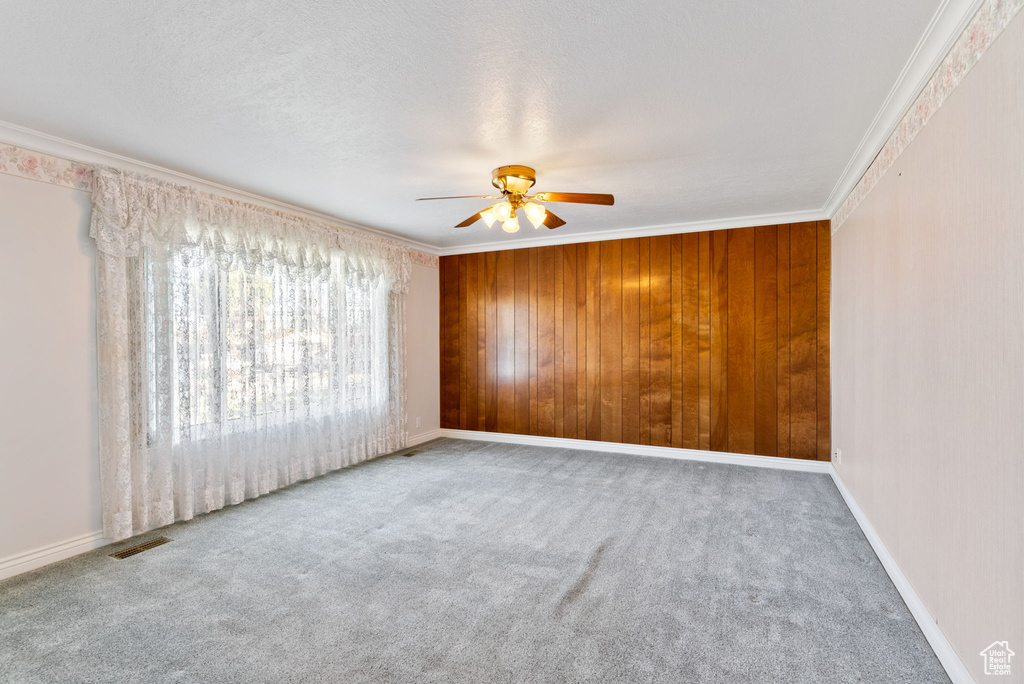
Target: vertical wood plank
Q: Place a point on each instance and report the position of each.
(677, 341)
(491, 350)
(522, 371)
(449, 284)
(803, 343)
(766, 419)
(783, 342)
(506, 362)
(582, 352)
(593, 340)
(740, 357)
(570, 350)
(481, 342)
(534, 327)
(704, 340)
(559, 328)
(631, 341)
(661, 341)
(611, 341)
(463, 341)
(824, 291)
(645, 340)
(491, 336)
(472, 400)
(545, 342)
(719, 311)
(690, 305)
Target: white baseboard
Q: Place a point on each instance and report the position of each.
(936, 639)
(44, 555)
(30, 560)
(37, 558)
(643, 450)
(424, 437)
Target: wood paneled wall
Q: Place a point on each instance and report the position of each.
(716, 340)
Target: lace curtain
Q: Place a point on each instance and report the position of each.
(240, 349)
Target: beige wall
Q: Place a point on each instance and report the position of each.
(928, 358)
(49, 467)
(423, 358)
(49, 462)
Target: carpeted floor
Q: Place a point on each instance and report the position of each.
(477, 562)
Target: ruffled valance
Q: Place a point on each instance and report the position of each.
(131, 210)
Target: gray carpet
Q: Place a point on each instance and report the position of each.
(476, 562)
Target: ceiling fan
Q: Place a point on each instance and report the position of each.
(514, 182)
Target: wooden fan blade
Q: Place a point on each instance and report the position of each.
(552, 221)
(576, 197)
(420, 199)
(470, 221)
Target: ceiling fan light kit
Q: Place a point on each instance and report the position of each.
(514, 181)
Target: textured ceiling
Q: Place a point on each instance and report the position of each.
(686, 111)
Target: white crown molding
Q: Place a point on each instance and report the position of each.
(44, 143)
(936, 639)
(14, 134)
(642, 231)
(945, 27)
(67, 150)
(643, 450)
(51, 553)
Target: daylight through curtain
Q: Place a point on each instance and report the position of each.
(240, 349)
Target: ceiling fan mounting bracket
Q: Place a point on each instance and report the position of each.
(513, 179)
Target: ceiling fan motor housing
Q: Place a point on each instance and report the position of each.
(513, 179)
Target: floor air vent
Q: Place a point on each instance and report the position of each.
(411, 453)
(145, 546)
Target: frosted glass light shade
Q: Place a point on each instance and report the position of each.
(536, 213)
(489, 215)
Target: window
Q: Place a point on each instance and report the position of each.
(240, 349)
(249, 344)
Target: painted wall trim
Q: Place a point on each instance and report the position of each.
(945, 27)
(424, 437)
(68, 150)
(949, 38)
(37, 558)
(642, 231)
(51, 553)
(73, 153)
(805, 465)
(981, 28)
(936, 639)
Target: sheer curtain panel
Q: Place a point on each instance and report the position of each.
(240, 349)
